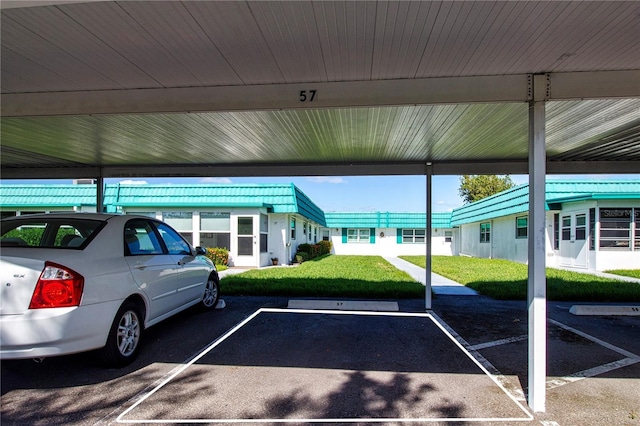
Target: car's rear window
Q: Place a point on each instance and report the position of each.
(49, 233)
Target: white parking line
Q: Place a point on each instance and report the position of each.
(630, 359)
(517, 394)
(595, 340)
(441, 325)
(591, 372)
(499, 342)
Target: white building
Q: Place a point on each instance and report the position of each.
(590, 225)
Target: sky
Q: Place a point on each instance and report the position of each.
(360, 193)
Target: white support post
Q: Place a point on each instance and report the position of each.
(427, 290)
(536, 292)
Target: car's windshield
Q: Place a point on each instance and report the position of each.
(72, 233)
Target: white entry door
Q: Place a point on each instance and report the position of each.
(246, 242)
(573, 247)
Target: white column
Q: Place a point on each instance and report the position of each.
(427, 290)
(195, 228)
(536, 292)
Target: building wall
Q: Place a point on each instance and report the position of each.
(386, 244)
(470, 244)
(504, 243)
(573, 251)
(279, 242)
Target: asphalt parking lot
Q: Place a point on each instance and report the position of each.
(243, 364)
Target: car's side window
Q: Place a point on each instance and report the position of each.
(140, 238)
(174, 242)
(49, 233)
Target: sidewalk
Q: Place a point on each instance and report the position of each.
(601, 274)
(439, 284)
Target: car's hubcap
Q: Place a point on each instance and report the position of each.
(210, 293)
(128, 333)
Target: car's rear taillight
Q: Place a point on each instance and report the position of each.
(57, 287)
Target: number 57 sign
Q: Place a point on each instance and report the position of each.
(307, 96)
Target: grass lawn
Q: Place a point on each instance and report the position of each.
(365, 277)
(633, 273)
(503, 279)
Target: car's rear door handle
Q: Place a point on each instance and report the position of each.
(140, 266)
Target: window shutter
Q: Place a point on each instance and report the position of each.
(399, 236)
(372, 236)
(344, 235)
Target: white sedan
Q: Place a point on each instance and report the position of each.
(77, 282)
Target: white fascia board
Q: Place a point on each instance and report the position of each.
(426, 91)
(484, 89)
(594, 85)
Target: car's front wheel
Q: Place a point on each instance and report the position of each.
(123, 342)
(211, 292)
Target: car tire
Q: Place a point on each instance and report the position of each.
(123, 342)
(211, 293)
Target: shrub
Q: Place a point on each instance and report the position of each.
(219, 256)
(304, 248)
(311, 251)
(325, 247)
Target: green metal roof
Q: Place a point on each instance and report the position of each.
(386, 220)
(21, 196)
(277, 198)
(516, 200)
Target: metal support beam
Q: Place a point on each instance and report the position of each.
(425, 91)
(510, 88)
(536, 292)
(100, 194)
(427, 290)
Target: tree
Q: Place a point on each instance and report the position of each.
(476, 187)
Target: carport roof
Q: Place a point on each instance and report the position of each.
(244, 88)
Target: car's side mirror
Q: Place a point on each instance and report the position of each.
(201, 251)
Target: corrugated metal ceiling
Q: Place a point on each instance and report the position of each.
(87, 56)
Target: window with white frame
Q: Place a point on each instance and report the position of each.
(521, 226)
(413, 236)
(325, 235)
(181, 222)
(448, 236)
(556, 231)
(215, 229)
(264, 233)
(615, 228)
(485, 232)
(358, 235)
(147, 214)
(293, 228)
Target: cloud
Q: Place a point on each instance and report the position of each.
(326, 179)
(133, 182)
(215, 180)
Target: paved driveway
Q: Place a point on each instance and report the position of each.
(289, 365)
